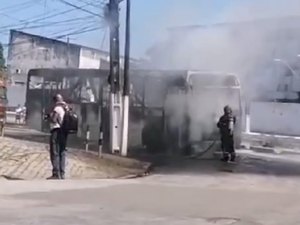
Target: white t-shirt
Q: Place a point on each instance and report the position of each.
(59, 110)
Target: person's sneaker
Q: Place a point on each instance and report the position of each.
(224, 159)
(62, 177)
(53, 177)
(232, 158)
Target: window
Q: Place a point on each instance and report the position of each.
(35, 82)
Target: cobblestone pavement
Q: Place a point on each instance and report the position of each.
(27, 160)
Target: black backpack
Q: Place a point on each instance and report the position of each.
(70, 122)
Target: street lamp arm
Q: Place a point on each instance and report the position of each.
(287, 65)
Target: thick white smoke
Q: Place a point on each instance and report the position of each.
(255, 35)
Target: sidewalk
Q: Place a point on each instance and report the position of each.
(27, 160)
(271, 143)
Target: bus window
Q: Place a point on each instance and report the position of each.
(154, 93)
(35, 82)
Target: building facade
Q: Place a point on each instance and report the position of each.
(27, 51)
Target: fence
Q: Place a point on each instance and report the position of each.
(274, 118)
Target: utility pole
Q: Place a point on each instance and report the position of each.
(114, 79)
(126, 87)
(68, 52)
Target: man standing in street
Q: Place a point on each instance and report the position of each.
(58, 138)
(226, 125)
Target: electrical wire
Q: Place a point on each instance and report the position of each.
(72, 29)
(96, 5)
(39, 18)
(36, 21)
(80, 8)
(53, 23)
(20, 6)
(58, 35)
(11, 17)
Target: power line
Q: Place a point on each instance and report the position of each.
(86, 30)
(58, 23)
(19, 6)
(60, 36)
(72, 29)
(96, 5)
(11, 17)
(53, 23)
(80, 8)
(39, 18)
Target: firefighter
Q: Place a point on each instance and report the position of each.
(226, 125)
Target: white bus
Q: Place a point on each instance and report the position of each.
(193, 106)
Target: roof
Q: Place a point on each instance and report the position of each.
(16, 32)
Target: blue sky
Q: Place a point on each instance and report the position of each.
(150, 18)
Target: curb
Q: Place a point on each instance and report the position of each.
(145, 173)
(261, 149)
(273, 150)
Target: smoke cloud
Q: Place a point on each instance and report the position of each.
(252, 36)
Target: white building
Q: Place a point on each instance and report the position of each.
(27, 51)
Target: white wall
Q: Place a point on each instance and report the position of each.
(27, 52)
(88, 63)
(275, 118)
(89, 59)
(16, 95)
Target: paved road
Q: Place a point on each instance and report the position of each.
(262, 189)
(167, 197)
(161, 199)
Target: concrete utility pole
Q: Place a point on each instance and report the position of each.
(68, 52)
(119, 108)
(126, 88)
(114, 78)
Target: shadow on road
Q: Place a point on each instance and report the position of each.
(245, 165)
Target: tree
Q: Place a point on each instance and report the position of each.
(2, 59)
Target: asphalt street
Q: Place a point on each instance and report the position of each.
(168, 196)
(261, 189)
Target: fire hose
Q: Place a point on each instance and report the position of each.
(199, 155)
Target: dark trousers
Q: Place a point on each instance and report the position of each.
(58, 152)
(228, 147)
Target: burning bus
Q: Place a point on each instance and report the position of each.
(188, 105)
(174, 109)
(193, 106)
